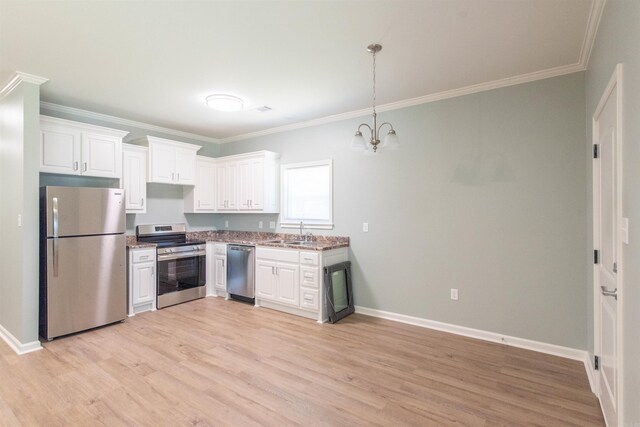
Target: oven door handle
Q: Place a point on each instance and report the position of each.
(169, 257)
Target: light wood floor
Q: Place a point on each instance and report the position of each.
(215, 362)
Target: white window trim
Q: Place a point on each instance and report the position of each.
(284, 223)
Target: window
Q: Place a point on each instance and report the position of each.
(307, 195)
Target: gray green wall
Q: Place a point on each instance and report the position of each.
(487, 195)
(165, 203)
(618, 41)
(19, 163)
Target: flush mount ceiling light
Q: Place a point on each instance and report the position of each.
(225, 102)
(390, 141)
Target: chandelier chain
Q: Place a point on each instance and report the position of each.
(374, 82)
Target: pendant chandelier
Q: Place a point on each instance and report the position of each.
(390, 141)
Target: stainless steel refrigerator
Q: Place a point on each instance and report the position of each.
(82, 259)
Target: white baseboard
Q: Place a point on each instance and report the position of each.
(16, 345)
(555, 350)
(591, 374)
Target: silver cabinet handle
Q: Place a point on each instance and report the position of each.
(144, 257)
(153, 270)
(85, 167)
(142, 201)
(272, 270)
(277, 271)
(56, 224)
(75, 166)
(172, 176)
(178, 176)
(608, 293)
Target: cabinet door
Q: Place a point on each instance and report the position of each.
(266, 279)
(221, 185)
(232, 186)
(185, 166)
(204, 189)
(134, 180)
(162, 163)
(226, 186)
(60, 151)
(221, 273)
(244, 184)
(288, 289)
(101, 155)
(144, 283)
(257, 184)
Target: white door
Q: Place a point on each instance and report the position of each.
(134, 180)
(257, 184)
(232, 186)
(266, 279)
(607, 272)
(163, 163)
(101, 155)
(244, 184)
(204, 188)
(60, 151)
(143, 283)
(185, 162)
(288, 289)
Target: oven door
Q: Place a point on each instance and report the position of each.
(181, 272)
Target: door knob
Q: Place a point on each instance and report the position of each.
(608, 293)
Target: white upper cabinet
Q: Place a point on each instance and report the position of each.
(74, 148)
(134, 177)
(226, 185)
(201, 197)
(248, 182)
(170, 162)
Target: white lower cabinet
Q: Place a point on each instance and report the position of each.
(217, 269)
(141, 280)
(290, 280)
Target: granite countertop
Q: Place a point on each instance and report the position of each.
(257, 238)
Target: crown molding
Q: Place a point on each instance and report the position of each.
(20, 77)
(439, 96)
(595, 15)
(125, 122)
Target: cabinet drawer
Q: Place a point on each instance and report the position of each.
(309, 258)
(144, 255)
(284, 255)
(309, 276)
(220, 249)
(309, 299)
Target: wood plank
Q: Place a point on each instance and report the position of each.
(216, 362)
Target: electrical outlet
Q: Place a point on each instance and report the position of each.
(226, 224)
(19, 220)
(259, 224)
(365, 227)
(272, 224)
(454, 294)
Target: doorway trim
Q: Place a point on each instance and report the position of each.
(615, 83)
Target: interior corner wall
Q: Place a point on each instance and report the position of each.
(19, 191)
(618, 41)
(487, 195)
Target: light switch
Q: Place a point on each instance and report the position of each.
(624, 228)
(226, 224)
(19, 220)
(454, 294)
(365, 227)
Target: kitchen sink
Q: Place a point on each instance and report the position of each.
(290, 242)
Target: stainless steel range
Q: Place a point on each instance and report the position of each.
(181, 263)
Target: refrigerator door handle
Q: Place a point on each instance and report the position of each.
(55, 236)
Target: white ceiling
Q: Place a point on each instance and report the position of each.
(156, 61)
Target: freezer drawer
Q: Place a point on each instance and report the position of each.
(86, 284)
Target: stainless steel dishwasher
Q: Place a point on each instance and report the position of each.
(240, 272)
